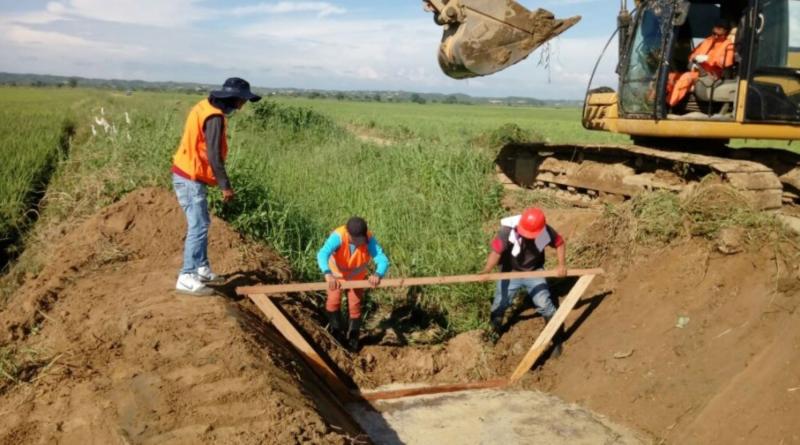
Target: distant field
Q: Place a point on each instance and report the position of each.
(558, 125)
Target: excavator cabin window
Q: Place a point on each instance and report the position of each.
(659, 51)
(773, 93)
(703, 69)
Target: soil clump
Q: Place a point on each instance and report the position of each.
(115, 356)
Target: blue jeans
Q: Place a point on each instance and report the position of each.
(193, 198)
(536, 288)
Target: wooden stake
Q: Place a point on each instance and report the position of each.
(439, 389)
(293, 336)
(405, 282)
(549, 331)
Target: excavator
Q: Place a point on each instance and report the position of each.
(672, 147)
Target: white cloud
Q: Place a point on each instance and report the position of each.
(367, 72)
(141, 12)
(274, 47)
(49, 40)
(322, 9)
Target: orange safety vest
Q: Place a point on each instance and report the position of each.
(346, 265)
(192, 155)
(720, 56)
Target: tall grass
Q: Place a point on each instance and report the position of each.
(426, 202)
(300, 171)
(34, 136)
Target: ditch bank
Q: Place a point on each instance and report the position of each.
(694, 341)
(97, 348)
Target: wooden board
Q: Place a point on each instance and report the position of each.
(541, 343)
(293, 336)
(403, 282)
(439, 389)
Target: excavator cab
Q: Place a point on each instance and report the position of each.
(482, 37)
(756, 96)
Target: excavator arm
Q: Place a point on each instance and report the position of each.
(482, 37)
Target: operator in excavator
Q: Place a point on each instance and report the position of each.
(711, 57)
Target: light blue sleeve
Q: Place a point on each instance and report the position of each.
(381, 260)
(331, 245)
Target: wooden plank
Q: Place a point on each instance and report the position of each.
(439, 389)
(549, 331)
(404, 282)
(293, 336)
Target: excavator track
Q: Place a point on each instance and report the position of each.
(769, 178)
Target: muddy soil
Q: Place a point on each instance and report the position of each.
(686, 343)
(121, 359)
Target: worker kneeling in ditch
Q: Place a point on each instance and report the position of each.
(520, 247)
(344, 257)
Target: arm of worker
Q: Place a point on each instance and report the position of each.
(496, 249)
(213, 132)
(557, 242)
(381, 261)
(492, 260)
(323, 257)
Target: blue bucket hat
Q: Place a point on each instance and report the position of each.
(236, 87)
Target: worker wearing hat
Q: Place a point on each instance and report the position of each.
(198, 163)
(519, 247)
(712, 56)
(345, 256)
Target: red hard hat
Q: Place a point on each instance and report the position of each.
(532, 223)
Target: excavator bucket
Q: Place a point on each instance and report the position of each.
(482, 37)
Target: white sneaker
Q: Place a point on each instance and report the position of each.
(205, 275)
(190, 284)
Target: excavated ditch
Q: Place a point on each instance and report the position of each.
(112, 355)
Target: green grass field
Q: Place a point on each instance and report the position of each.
(417, 173)
(37, 124)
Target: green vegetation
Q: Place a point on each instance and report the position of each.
(37, 126)
(421, 174)
(660, 218)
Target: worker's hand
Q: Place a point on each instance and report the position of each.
(562, 270)
(333, 283)
(701, 58)
(374, 280)
(228, 195)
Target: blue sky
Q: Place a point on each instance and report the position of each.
(336, 44)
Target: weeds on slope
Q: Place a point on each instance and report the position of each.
(18, 365)
(660, 218)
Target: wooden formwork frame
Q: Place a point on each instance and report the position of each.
(260, 296)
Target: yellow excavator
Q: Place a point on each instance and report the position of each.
(757, 97)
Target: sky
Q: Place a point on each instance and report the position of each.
(335, 45)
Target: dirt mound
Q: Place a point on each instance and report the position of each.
(690, 342)
(691, 345)
(119, 358)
